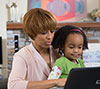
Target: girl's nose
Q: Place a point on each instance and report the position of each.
(75, 49)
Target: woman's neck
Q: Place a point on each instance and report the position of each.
(39, 49)
(44, 52)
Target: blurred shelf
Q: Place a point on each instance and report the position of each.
(81, 24)
(14, 26)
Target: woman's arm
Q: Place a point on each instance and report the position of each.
(16, 79)
(45, 84)
(52, 82)
(17, 76)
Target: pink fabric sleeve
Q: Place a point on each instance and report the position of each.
(17, 77)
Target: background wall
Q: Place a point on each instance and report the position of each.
(3, 18)
(22, 8)
(23, 5)
(92, 4)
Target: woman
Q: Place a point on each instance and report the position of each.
(32, 64)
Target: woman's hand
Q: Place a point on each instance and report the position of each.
(61, 82)
(45, 84)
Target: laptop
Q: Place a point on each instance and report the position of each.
(83, 78)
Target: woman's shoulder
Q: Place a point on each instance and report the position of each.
(24, 51)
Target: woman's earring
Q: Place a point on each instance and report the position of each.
(61, 52)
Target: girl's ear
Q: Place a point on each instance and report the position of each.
(62, 49)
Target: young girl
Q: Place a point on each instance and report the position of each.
(70, 41)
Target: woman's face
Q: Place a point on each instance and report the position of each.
(73, 46)
(44, 40)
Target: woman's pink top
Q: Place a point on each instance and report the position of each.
(28, 65)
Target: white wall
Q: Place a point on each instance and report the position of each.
(22, 4)
(3, 18)
(22, 7)
(92, 4)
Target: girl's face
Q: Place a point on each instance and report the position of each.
(73, 46)
(44, 40)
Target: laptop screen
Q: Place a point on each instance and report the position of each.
(83, 78)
